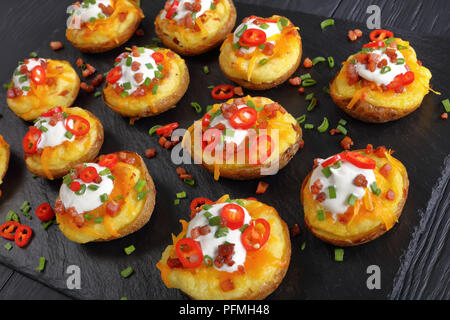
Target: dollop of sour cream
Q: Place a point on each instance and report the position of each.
(342, 180)
(269, 28)
(87, 11)
(90, 199)
(52, 136)
(377, 76)
(210, 244)
(22, 81)
(181, 11)
(230, 134)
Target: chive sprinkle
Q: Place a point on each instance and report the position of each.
(326, 23)
(338, 254)
(308, 82)
(205, 69)
(305, 76)
(129, 250)
(330, 62)
(446, 104)
(153, 129)
(181, 195)
(332, 192)
(301, 119)
(351, 199)
(125, 273)
(323, 126)
(309, 126)
(41, 265)
(197, 107)
(140, 185)
(342, 129)
(309, 96)
(176, 202)
(8, 246)
(320, 215)
(312, 104)
(327, 171)
(317, 60)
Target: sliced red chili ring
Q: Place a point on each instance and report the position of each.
(75, 186)
(189, 252)
(408, 78)
(8, 229)
(109, 161)
(255, 153)
(173, 8)
(222, 92)
(332, 160)
(114, 75)
(157, 56)
(233, 216)
(44, 212)
(197, 204)
(244, 118)
(206, 120)
(31, 140)
(38, 75)
(359, 160)
(79, 127)
(401, 80)
(265, 20)
(88, 174)
(168, 128)
(52, 111)
(22, 236)
(252, 37)
(253, 238)
(375, 44)
(380, 35)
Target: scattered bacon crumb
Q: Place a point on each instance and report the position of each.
(296, 81)
(301, 90)
(180, 170)
(227, 285)
(360, 181)
(321, 197)
(90, 70)
(444, 116)
(386, 170)
(139, 32)
(346, 143)
(150, 153)
(87, 87)
(182, 174)
(174, 263)
(238, 91)
(307, 63)
(295, 230)
(358, 33)
(316, 186)
(56, 45)
(390, 195)
(162, 141)
(79, 62)
(97, 80)
(352, 35)
(380, 152)
(334, 131)
(262, 187)
(369, 149)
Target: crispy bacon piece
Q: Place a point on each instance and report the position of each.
(321, 197)
(56, 45)
(228, 110)
(123, 16)
(296, 81)
(107, 10)
(174, 263)
(369, 149)
(271, 109)
(386, 170)
(307, 63)
(78, 219)
(262, 187)
(90, 70)
(346, 143)
(380, 152)
(227, 285)
(295, 230)
(224, 255)
(86, 87)
(360, 181)
(268, 49)
(59, 207)
(79, 62)
(352, 35)
(316, 187)
(97, 80)
(238, 91)
(150, 153)
(390, 195)
(352, 74)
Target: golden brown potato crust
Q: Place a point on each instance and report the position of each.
(4, 158)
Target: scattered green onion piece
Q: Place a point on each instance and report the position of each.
(43, 129)
(8, 246)
(342, 122)
(33, 54)
(316, 60)
(190, 182)
(98, 220)
(385, 69)
(326, 23)
(338, 254)
(205, 69)
(47, 224)
(320, 215)
(41, 265)
(214, 221)
(309, 96)
(12, 216)
(308, 82)
(207, 214)
(105, 172)
(400, 61)
(305, 76)
(326, 90)
(153, 129)
(129, 250)
(301, 119)
(126, 272)
(303, 246)
(323, 126)
(332, 192)
(140, 185)
(104, 197)
(176, 202)
(82, 190)
(401, 47)
(327, 172)
(88, 217)
(197, 107)
(141, 195)
(262, 61)
(221, 232)
(241, 31)
(309, 126)
(330, 62)
(93, 187)
(351, 199)
(312, 104)
(181, 195)
(342, 129)
(97, 94)
(208, 261)
(68, 135)
(446, 104)
(375, 190)
(120, 197)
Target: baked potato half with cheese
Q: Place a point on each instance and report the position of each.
(145, 82)
(60, 139)
(354, 197)
(4, 159)
(262, 52)
(383, 82)
(244, 257)
(244, 138)
(41, 84)
(191, 27)
(107, 199)
(102, 25)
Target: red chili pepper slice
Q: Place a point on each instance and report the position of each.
(38, 75)
(189, 253)
(75, 186)
(256, 235)
(79, 127)
(197, 204)
(222, 92)
(233, 216)
(109, 161)
(408, 78)
(31, 140)
(375, 44)
(172, 9)
(332, 160)
(114, 75)
(88, 174)
(168, 128)
(265, 20)
(252, 37)
(52, 111)
(244, 118)
(380, 35)
(359, 160)
(401, 80)
(44, 212)
(157, 56)
(256, 155)
(112, 208)
(206, 120)
(22, 236)
(8, 229)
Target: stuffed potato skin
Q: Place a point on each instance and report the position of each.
(133, 214)
(4, 158)
(248, 70)
(55, 162)
(264, 269)
(62, 92)
(106, 34)
(378, 106)
(290, 142)
(216, 24)
(170, 90)
(368, 225)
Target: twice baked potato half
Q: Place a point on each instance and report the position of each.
(107, 199)
(4, 159)
(145, 82)
(262, 52)
(60, 139)
(102, 25)
(191, 27)
(244, 138)
(354, 197)
(230, 250)
(41, 84)
(383, 82)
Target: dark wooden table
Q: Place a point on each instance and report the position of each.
(430, 16)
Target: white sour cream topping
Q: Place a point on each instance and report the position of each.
(377, 76)
(181, 11)
(86, 12)
(210, 244)
(55, 135)
(270, 31)
(90, 200)
(21, 80)
(148, 68)
(235, 135)
(342, 179)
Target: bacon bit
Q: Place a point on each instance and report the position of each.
(295, 230)
(321, 197)
(301, 90)
(56, 45)
(227, 285)
(296, 81)
(219, 126)
(123, 16)
(369, 149)
(307, 63)
(238, 91)
(352, 35)
(346, 143)
(380, 152)
(334, 131)
(382, 63)
(358, 33)
(316, 186)
(390, 195)
(11, 93)
(112, 208)
(135, 66)
(224, 255)
(241, 269)
(59, 208)
(79, 62)
(195, 233)
(78, 219)
(186, 176)
(262, 187)
(360, 181)
(162, 141)
(386, 170)
(98, 180)
(150, 153)
(174, 263)
(271, 109)
(88, 88)
(268, 48)
(64, 93)
(263, 124)
(444, 116)
(204, 230)
(90, 70)
(228, 110)
(180, 170)
(97, 80)
(107, 10)
(168, 145)
(139, 32)
(139, 77)
(352, 74)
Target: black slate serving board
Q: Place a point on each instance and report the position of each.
(413, 257)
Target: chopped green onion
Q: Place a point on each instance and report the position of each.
(305, 76)
(332, 192)
(197, 107)
(308, 82)
(181, 195)
(312, 104)
(400, 61)
(212, 7)
(327, 171)
(88, 217)
(351, 199)
(206, 207)
(342, 129)
(446, 104)
(43, 129)
(221, 232)
(375, 190)
(93, 187)
(126, 272)
(141, 195)
(47, 224)
(81, 191)
(98, 220)
(127, 85)
(401, 47)
(105, 172)
(320, 215)
(251, 104)
(190, 182)
(129, 250)
(97, 94)
(153, 129)
(176, 202)
(284, 22)
(41, 265)
(140, 185)
(207, 214)
(342, 122)
(330, 62)
(316, 60)
(338, 254)
(301, 119)
(336, 165)
(309, 126)
(303, 246)
(8, 246)
(214, 221)
(309, 96)
(326, 90)
(205, 69)
(149, 66)
(241, 31)
(385, 69)
(323, 126)
(208, 261)
(104, 197)
(12, 216)
(326, 23)
(33, 54)
(262, 61)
